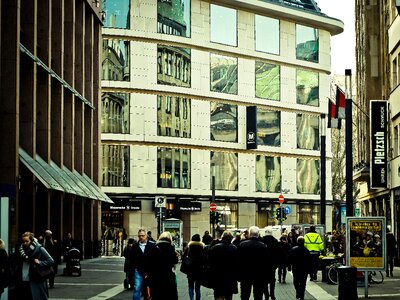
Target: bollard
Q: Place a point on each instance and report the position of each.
(347, 283)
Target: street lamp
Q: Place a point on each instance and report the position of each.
(349, 145)
(323, 171)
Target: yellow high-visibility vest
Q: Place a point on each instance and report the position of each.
(313, 242)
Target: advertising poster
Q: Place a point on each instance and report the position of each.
(366, 242)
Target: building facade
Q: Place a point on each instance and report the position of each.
(188, 74)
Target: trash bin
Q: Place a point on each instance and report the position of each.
(325, 263)
(347, 283)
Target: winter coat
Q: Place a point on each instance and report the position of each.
(391, 244)
(195, 250)
(139, 260)
(273, 257)
(252, 260)
(299, 259)
(283, 254)
(127, 253)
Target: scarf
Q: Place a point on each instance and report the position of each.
(27, 254)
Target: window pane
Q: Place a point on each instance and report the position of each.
(223, 25)
(307, 43)
(115, 112)
(307, 176)
(176, 122)
(115, 165)
(117, 13)
(268, 81)
(174, 65)
(223, 122)
(267, 34)
(173, 168)
(268, 174)
(224, 74)
(307, 132)
(226, 170)
(307, 88)
(173, 17)
(115, 64)
(268, 127)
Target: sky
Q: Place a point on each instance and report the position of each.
(342, 45)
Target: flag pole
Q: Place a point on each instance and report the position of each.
(323, 171)
(349, 146)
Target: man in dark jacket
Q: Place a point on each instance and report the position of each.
(299, 259)
(275, 256)
(391, 251)
(252, 266)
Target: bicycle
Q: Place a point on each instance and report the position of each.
(375, 277)
(332, 273)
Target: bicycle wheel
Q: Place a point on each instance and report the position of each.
(376, 277)
(333, 275)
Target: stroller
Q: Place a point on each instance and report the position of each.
(72, 262)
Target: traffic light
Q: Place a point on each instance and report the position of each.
(212, 217)
(278, 213)
(217, 217)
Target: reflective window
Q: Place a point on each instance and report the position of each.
(267, 34)
(307, 177)
(268, 127)
(173, 66)
(307, 87)
(268, 174)
(173, 116)
(307, 132)
(229, 217)
(224, 74)
(223, 122)
(268, 81)
(223, 25)
(225, 170)
(115, 60)
(115, 165)
(173, 17)
(173, 168)
(117, 13)
(115, 112)
(307, 44)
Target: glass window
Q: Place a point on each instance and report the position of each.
(307, 87)
(223, 25)
(224, 74)
(307, 132)
(307, 177)
(176, 122)
(115, 60)
(117, 13)
(267, 34)
(394, 73)
(174, 65)
(225, 170)
(396, 141)
(268, 81)
(223, 122)
(115, 113)
(173, 168)
(268, 174)
(307, 44)
(115, 165)
(229, 217)
(268, 127)
(173, 17)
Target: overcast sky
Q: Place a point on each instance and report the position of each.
(342, 45)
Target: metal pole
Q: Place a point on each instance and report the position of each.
(323, 171)
(349, 146)
(213, 194)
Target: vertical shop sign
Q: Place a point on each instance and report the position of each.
(251, 127)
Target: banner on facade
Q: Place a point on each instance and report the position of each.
(366, 242)
(122, 204)
(379, 148)
(251, 127)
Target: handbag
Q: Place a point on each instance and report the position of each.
(186, 264)
(38, 273)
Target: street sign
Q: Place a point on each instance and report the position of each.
(160, 201)
(213, 207)
(281, 199)
(288, 210)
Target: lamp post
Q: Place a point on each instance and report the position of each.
(323, 171)
(349, 145)
(213, 194)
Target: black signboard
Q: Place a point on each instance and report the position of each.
(122, 204)
(251, 127)
(189, 206)
(379, 148)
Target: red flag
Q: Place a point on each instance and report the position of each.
(340, 103)
(333, 121)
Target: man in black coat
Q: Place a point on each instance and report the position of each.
(253, 263)
(275, 256)
(299, 259)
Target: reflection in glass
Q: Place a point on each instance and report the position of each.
(307, 177)
(173, 17)
(308, 214)
(267, 34)
(307, 87)
(173, 66)
(115, 165)
(229, 220)
(307, 44)
(223, 122)
(307, 132)
(268, 174)
(173, 168)
(173, 116)
(223, 25)
(226, 170)
(115, 112)
(115, 63)
(268, 127)
(224, 74)
(268, 81)
(117, 13)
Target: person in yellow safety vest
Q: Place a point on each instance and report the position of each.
(313, 243)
